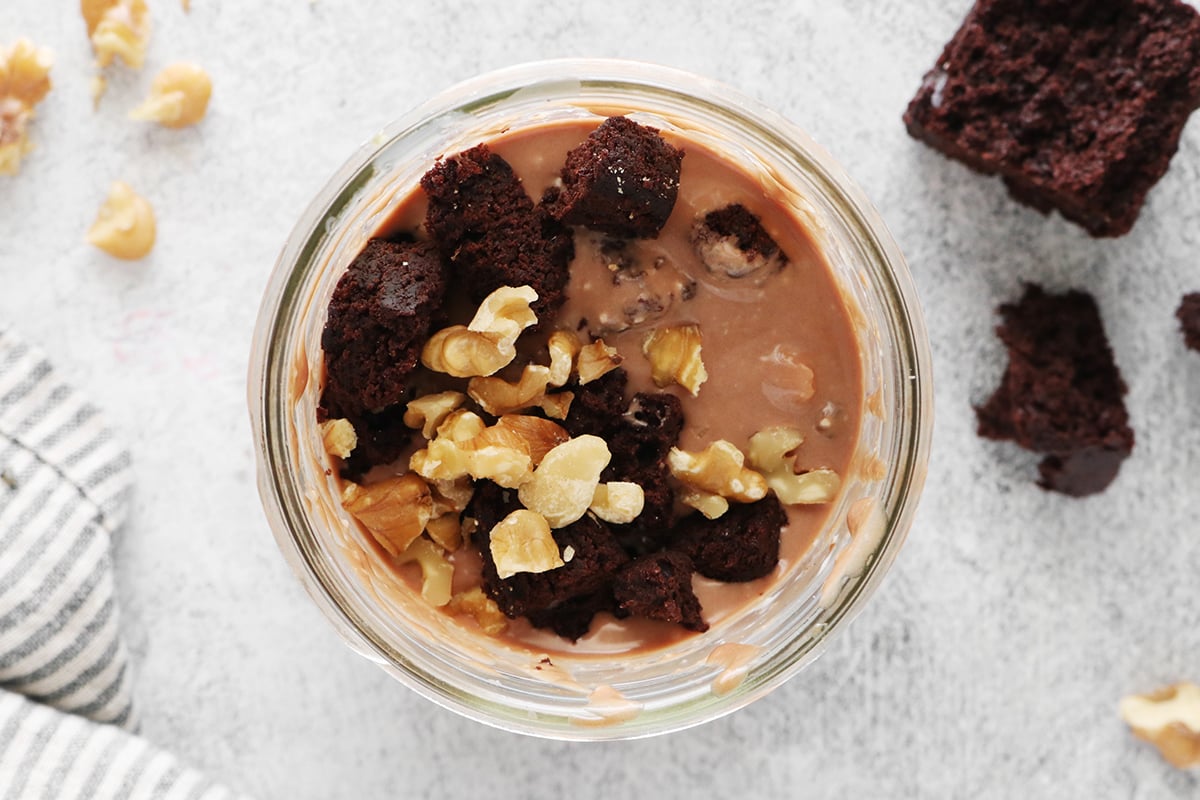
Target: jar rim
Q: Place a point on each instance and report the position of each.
(283, 301)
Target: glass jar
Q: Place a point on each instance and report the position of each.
(703, 676)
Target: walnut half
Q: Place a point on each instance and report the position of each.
(1170, 720)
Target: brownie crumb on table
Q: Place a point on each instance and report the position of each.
(1188, 315)
(740, 545)
(489, 229)
(1077, 105)
(658, 586)
(622, 181)
(380, 315)
(1062, 393)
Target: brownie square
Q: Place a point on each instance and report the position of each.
(1077, 104)
(1188, 315)
(1061, 394)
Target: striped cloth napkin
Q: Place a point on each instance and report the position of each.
(67, 717)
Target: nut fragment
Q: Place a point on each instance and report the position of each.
(772, 453)
(564, 347)
(118, 29)
(461, 426)
(488, 342)
(451, 495)
(446, 531)
(596, 360)
(124, 227)
(563, 485)
(475, 603)
(674, 355)
(709, 504)
(430, 411)
(464, 447)
(1170, 720)
(521, 542)
(618, 502)
(719, 469)
(394, 511)
(178, 97)
(437, 573)
(24, 82)
(497, 396)
(556, 405)
(338, 437)
(535, 435)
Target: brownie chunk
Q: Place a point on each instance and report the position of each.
(379, 318)
(1078, 105)
(1189, 319)
(622, 181)
(382, 438)
(488, 228)
(572, 618)
(1061, 394)
(740, 545)
(659, 586)
(731, 241)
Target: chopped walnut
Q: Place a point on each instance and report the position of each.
(563, 485)
(521, 542)
(772, 452)
(178, 97)
(125, 226)
(437, 574)
(451, 495)
(618, 502)
(430, 411)
(597, 360)
(719, 469)
(497, 396)
(461, 426)
(464, 447)
(117, 29)
(534, 435)
(564, 347)
(488, 343)
(446, 531)
(338, 437)
(709, 504)
(557, 405)
(1170, 720)
(24, 82)
(674, 355)
(483, 609)
(394, 511)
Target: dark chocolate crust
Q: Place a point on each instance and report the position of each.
(1077, 104)
(1188, 315)
(1062, 394)
(379, 318)
(488, 228)
(622, 181)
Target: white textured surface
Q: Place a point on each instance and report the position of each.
(990, 663)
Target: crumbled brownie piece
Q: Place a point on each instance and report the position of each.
(382, 438)
(622, 181)
(740, 545)
(1078, 105)
(659, 586)
(489, 229)
(379, 318)
(652, 426)
(598, 405)
(1188, 315)
(573, 618)
(1061, 394)
(731, 241)
(596, 556)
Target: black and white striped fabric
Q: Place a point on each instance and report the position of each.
(64, 491)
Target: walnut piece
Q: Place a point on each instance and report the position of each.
(564, 347)
(338, 437)
(430, 411)
(488, 343)
(563, 485)
(534, 435)
(394, 511)
(178, 97)
(709, 504)
(117, 29)
(596, 360)
(437, 574)
(674, 355)
(772, 452)
(618, 502)
(497, 396)
(464, 447)
(446, 531)
(557, 405)
(475, 603)
(125, 226)
(521, 542)
(1170, 720)
(718, 469)
(24, 82)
